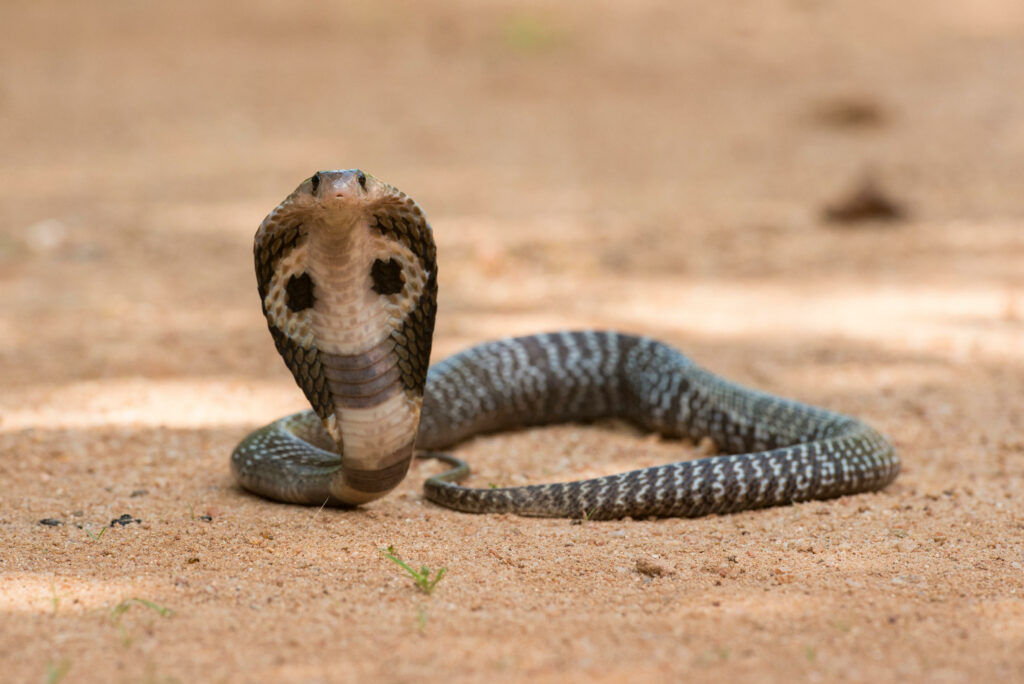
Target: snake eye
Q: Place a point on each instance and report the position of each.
(315, 181)
(361, 177)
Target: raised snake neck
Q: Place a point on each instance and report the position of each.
(347, 275)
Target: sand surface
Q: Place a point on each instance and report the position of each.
(655, 167)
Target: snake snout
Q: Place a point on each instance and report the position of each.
(343, 184)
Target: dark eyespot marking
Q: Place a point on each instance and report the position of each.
(299, 292)
(361, 177)
(387, 277)
(315, 181)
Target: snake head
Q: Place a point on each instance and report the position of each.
(347, 275)
(338, 196)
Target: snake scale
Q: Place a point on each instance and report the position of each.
(347, 274)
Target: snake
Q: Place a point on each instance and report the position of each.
(346, 270)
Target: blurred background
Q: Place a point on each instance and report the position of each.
(668, 167)
(820, 198)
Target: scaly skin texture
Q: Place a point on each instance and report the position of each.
(365, 376)
(776, 451)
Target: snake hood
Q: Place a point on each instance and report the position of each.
(347, 274)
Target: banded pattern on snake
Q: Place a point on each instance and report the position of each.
(346, 268)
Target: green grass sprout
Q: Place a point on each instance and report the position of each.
(121, 608)
(57, 671)
(421, 619)
(421, 577)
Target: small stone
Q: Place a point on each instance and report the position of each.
(850, 111)
(139, 492)
(907, 546)
(125, 519)
(867, 202)
(650, 568)
(723, 570)
(784, 575)
(51, 522)
(205, 518)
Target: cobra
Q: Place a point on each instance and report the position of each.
(347, 276)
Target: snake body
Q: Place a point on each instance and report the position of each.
(346, 269)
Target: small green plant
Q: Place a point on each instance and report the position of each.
(421, 619)
(421, 577)
(528, 34)
(841, 625)
(57, 671)
(719, 654)
(54, 599)
(121, 608)
(96, 537)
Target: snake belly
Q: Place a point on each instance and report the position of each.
(347, 275)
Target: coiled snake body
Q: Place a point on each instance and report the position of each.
(347, 274)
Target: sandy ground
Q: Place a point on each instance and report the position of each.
(656, 167)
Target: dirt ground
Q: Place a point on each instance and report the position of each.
(655, 167)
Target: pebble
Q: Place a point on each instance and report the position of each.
(125, 519)
(650, 568)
